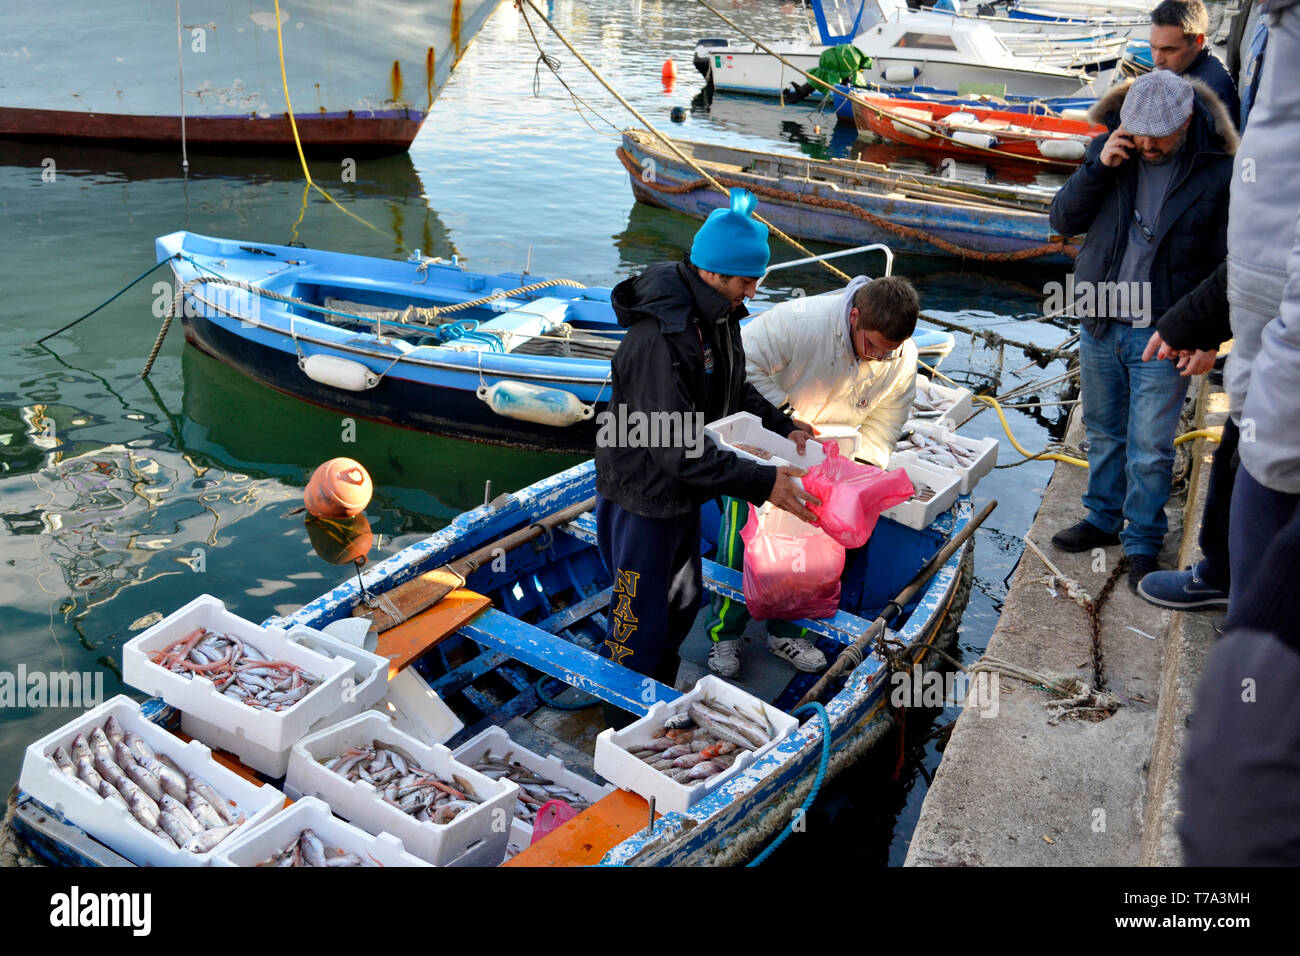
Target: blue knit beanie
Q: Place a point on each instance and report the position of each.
(730, 242)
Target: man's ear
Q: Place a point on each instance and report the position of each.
(853, 316)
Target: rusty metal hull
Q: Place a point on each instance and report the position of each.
(361, 76)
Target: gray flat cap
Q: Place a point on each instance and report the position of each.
(1157, 104)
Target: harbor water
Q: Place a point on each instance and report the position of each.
(124, 498)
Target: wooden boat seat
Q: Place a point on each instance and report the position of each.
(584, 840)
(844, 627)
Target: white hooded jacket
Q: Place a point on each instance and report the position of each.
(799, 352)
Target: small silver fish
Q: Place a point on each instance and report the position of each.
(208, 839)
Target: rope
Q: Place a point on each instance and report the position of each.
(102, 304)
(907, 232)
(552, 702)
(180, 81)
(804, 807)
(1199, 433)
(519, 4)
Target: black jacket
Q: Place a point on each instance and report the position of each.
(1207, 68)
(1199, 320)
(676, 326)
(1192, 232)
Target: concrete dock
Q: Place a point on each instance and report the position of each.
(1014, 790)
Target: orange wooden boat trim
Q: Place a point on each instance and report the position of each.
(410, 639)
(584, 840)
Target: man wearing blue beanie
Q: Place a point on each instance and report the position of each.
(680, 365)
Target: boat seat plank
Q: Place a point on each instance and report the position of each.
(575, 612)
(843, 628)
(584, 840)
(562, 659)
(413, 638)
(57, 841)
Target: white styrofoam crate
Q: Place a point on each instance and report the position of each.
(919, 514)
(268, 838)
(614, 760)
(985, 451)
(360, 803)
(369, 675)
(498, 742)
(260, 738)
(961, 399)
(748, 428)
(846, 436)
(417, 710)
(111, 823)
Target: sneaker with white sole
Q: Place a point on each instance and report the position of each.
(798, 651)
(724, 658)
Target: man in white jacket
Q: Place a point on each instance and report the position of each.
(843, 358)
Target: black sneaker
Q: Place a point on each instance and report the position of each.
(1083, 536)
(1139, 566)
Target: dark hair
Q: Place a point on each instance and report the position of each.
(1190, 16)
(888, 305)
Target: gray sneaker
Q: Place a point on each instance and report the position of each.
(798, 651)
(724, 658)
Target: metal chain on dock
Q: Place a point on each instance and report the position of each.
(1093, 609)
(907, 232)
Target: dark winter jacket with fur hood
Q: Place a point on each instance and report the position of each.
(1191, 233)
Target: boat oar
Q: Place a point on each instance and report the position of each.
(852, 655)
(403, 602)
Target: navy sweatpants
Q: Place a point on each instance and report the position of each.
(654, 564)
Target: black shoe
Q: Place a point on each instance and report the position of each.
(1139, 566)
(1083, 536)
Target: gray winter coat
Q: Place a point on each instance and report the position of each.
(1262, 376)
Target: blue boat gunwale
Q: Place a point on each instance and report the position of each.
(858, 700)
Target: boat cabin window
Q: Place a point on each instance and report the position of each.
(841, 20)
(926, 41)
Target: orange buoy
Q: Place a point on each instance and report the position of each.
(669, 72)
(340, 540)
(340, 488)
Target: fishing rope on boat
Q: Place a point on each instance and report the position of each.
(898, 229)
(804, 807)
(553, 64)
(13, 850)
(111, 298)
(850, 96)
(667, 140)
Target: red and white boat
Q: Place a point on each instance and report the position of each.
(361, 75)
(975, 132)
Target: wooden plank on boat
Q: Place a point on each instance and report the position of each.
(584, 840)
(599, 676)
(576, 612)
(58, 842)
(411, 639)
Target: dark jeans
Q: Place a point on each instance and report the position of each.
(1258, 516)
(1215, 568)
(654, 564)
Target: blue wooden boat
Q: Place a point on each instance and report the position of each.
(548, 615)
(842, 202)
(506, 358)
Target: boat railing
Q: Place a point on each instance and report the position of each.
(889, 258)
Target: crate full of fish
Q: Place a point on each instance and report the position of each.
(684, 749)
(239, 686)
(932, 444)
(540, 779)
(360, 690)
(308, 834)
(939, 401)
(383, 780)
(744, 434)
(141, 791)
(936, 490)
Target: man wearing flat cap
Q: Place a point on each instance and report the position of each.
(681, 363)
(1152, 196)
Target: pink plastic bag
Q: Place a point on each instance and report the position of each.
(550, 815)
(792, 569)
(853, 494)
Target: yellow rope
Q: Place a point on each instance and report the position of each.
(1044, 456)
(1208, 433)
(293, 126)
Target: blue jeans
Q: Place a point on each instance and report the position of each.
(1130, 412)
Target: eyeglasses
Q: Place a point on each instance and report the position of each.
(1147, 234)
(869, 352)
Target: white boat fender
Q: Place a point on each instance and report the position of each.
(535, 403)
(338, 372)
(977, 140)
(1062, 148)
(901, 74)
(900, 117)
